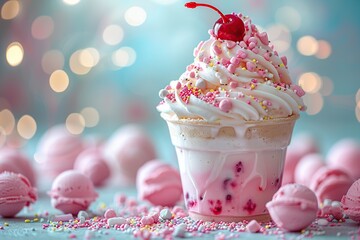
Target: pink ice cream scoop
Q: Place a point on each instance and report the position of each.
(15, 193)
(12, 160)
(307, 167)
(345, 155)
(126, 151)
(57, 151)
(330, 183)
(351, 202)
(159, 183)
(91, 162)
(293, 207)
(300, 147)
(72, 191)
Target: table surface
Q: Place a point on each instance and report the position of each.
(29, 224)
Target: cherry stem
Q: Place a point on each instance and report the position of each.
(195, 5)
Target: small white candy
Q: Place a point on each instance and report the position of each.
(116, 220)
(83, 214)
(322, 222)
(327, 202)
(180, 230)
(165, 214)
(200, 83)
(82, 219)
(335, 204)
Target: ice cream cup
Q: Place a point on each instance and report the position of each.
(230, 171)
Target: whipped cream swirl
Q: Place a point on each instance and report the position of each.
(233, 81)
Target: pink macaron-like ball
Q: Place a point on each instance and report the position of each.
(159, 183)
(293, 207)
(345, 155)
(91, 162)
(307, 167)
(126, 151)
(351, 202)
(330, 183)
(300, 146)
(57, 151)
(16, 192)
(72, 192)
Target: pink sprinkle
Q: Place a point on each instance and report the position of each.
(233, 84)
(255, 50)
(252, 45)
(253, 39)
(298, 90)
(264, 38)
(230, 44)
(192, 74)
(178, 85)
(217, 50)
(242, 44)
(147, 220)
(241, 54)
(110, 213)
(267, 56)
(250, 66)
(72, 235)
(235, 60)
(253, 226)
(206, 60)
(232, 68)
(284, 60)
(225, 105)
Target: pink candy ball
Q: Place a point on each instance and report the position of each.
(159, 183)
(12, 160)
(330, 183)
(72, 192)
(345, 155)
(57, 151)
(15, 193)
(307, 167)
(300, 147)
(91, 162)
(126, 151)
(351, 202)
(293, 207)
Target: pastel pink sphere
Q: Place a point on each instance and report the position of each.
(307, 167)
(299, 147)
(293, 207)
(345, 155)
(126, 151)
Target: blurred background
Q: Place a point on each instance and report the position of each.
(98, 65)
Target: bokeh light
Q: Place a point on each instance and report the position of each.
(324, 49)
(357, 111)
(14, 54)
(135, 16)
(113, 34)
(327, 87)
(26, 127)
(7, 121)
(75, 123)
(59, 81)
(89, 57)
(42, 27)
(52, 60)
(310, 82)
(10, 9)
(289, 16)
(357, 96)
(71, 2)
(91, 116)
(124, 57)
(314, 103)
(2, 137)
(75, 64)
(307, 45)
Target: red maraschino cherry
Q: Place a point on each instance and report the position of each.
(228, 27)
